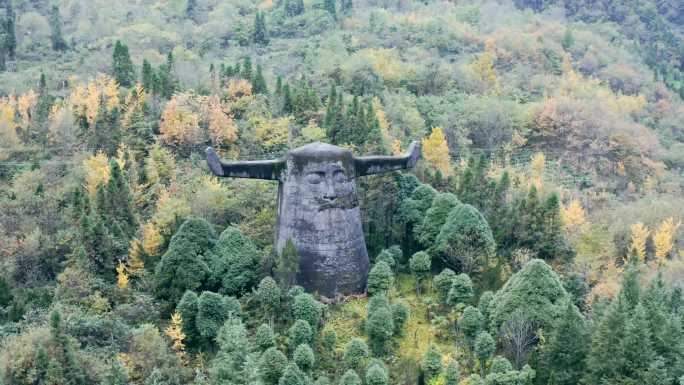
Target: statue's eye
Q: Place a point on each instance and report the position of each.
(339, 176)
(315, 177)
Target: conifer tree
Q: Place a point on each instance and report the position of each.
(564, 355)
(432, 363)
(272, 365)
(288, 106)
(346, 7)
(122, 66)
(9, 40)
(258, 82)
(380, 278)
(264, 338)
(58, 42)
(268, 294)
(294, 7)
(329, 6)
(147, 76)
(452, 374)
(287, 265)
(355, 352)
(191, 9)
(484, 348)
(188, 308)
(260, 33)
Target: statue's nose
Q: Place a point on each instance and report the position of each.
(330, 193)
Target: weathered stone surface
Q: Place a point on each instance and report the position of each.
(318, 209)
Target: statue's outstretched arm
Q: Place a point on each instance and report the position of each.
(368, 165)
(256, 169)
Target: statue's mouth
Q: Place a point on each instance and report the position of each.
(344, 203)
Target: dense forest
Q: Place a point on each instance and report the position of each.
(538, 240)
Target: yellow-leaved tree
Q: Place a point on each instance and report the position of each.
(179, 123)
(538, 165)
(663, 238)
(175, 332)
(436, 151)
(122, 279)
(222, 128)
(639, 236)
(574, 216)
(273, 133)
(97, 172)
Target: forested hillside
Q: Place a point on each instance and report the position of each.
(538, 240)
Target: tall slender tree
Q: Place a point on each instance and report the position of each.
(56, 37)
(122, 66)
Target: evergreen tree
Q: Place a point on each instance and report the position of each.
(376, 374)
(287, 264)
(229, 364)
(9, 41)
(461, 290)
(116, 375)
(288, 106)
(300, 333)
(258, 82)
(191, 10)
(380, 278)
(452, 374)
(346, 7)
(212, 311)
(304, 358)
(188, 308)
(119, 206)
(272, 365)
(484, 348)
(329, 6)
(260, 34)
(264, 338)
(420, 264)
(435, 217)
(636, 349)
(442, 282)
(305, 307)
(605, 358)
(122, 66)
(432, 363)
(470, 324)
(183, 266)
(148, 76)
(292, 376)
(268, 294)
(350, 378)
(380, 328)
(465, 240)
(235, 263)
(564, 355)
(400, 315)
(294, 7)
(58, 42)
(355, 352)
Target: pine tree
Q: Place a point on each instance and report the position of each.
(287, 265)
(260, 33)
(355, 352)
(58, 42)
(10, 37)
(380, 278)
(636, 348)
(564, 355)
(304, 358)
(122, 66)
(346, 7)
(452, 373)
(258, 82)
(605, 357)
(191, 9)
(484, 348)
(329, 5)
(147, 75)
(432, 363)
(272, 365)
(294, 7)
(268, 294)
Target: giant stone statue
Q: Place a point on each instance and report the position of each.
(318, 209)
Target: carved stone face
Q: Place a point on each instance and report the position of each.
(327, 186)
